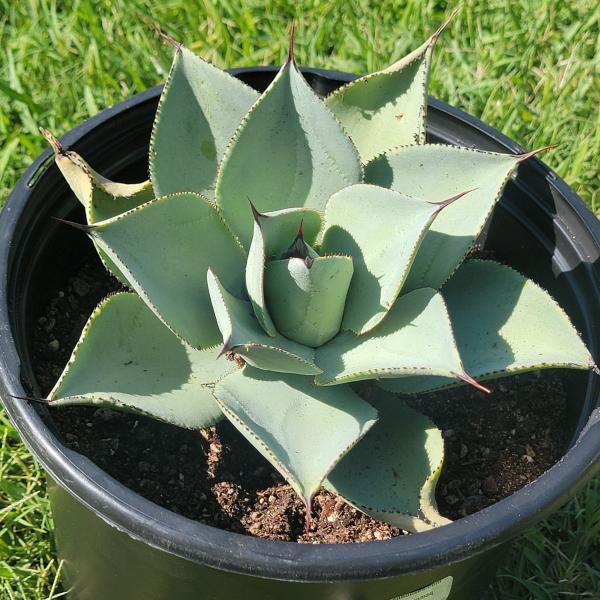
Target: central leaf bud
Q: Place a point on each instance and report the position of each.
(306, 295)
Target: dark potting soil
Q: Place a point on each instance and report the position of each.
(494, 444)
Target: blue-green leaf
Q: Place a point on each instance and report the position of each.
(199, 110)
(288, 152)
(274, 232)
(392, 473)
(436, 171)
(301, 429)
(243, 335)
(163, 249)
(504, 323)
(128, 360)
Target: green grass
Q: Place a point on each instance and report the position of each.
(531, 68)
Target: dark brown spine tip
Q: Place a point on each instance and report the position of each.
(80, 226)
(30, 399)
(445, 24)
(523, 157)
(290, 57)
(54, 143)
(448, 201)
(300, 235)
(166, 37)
(255, 212)
(468, 379)
(308, 261)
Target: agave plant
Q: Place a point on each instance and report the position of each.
(289, 246)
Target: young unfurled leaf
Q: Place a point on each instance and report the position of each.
(273, 233)
(306, 297)
(199, 110)
(163, 248)
(127, 359)
(289, 151)
(416, 337)
(243, 335)
(504, 323)
(381, 230)
(435, 171)
(387, 109)
(301, 429)
(392, 473)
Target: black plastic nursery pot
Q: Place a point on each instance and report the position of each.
(116, 544)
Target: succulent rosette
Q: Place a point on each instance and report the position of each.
(315, 242)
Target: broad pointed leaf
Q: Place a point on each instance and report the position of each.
(274, 232)
(199, 110)
(127, 359)
(243, 335)
(436, 171)
(381, 230)
(163, 248)
(301, 429)
(504, 323)
(306, 298)
(392, 473)
(416, 337)
(289, 151)
(386, 109)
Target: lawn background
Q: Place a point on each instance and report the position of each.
(530, 68)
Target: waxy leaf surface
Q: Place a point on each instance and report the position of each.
(163, 249)
(127, 359)
(307, 299)
(288, 152)
(301, 429)
(392, 473)
(433, 172)
(199, 110)
(274, 232)
(386, 109)
(381, 230)
(504, 323)
(416, 337)
(243, 335)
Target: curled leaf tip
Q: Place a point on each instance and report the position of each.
(523, 157)
(54, 143)
(290, 57)
(80, 226)
(452, 199)
(440, 29)
(468, 379)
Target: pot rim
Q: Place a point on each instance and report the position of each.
(158, 527)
